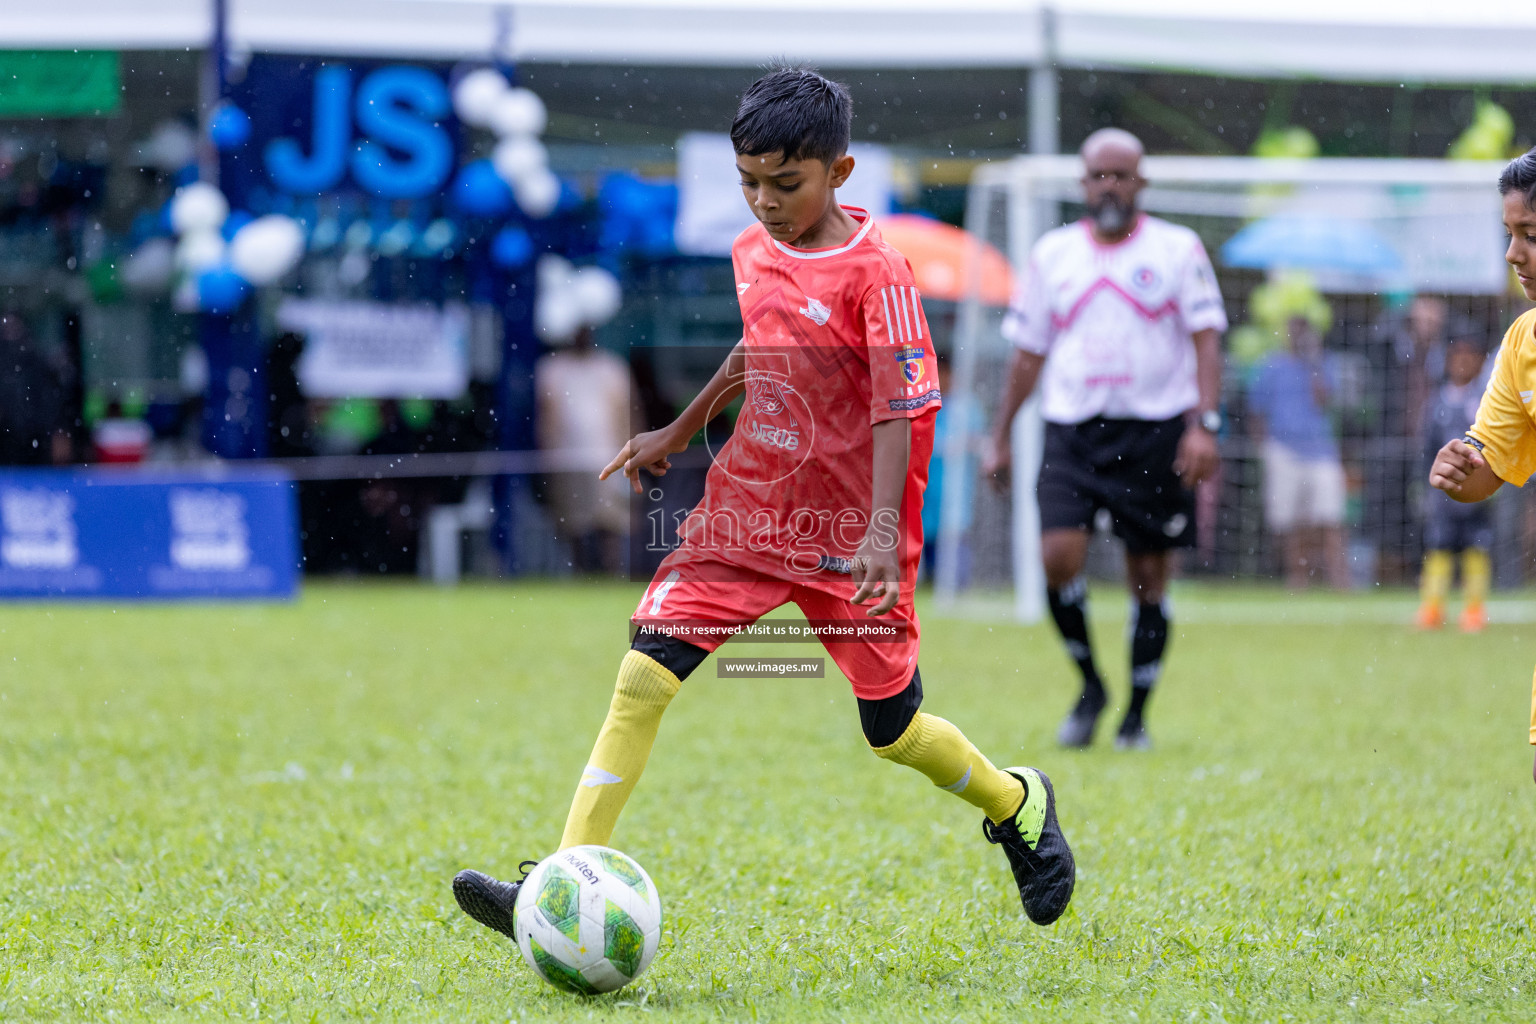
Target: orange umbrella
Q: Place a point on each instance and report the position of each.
(942, 256)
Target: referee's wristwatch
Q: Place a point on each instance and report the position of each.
(1209, 421)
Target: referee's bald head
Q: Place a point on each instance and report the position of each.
(1111, 139)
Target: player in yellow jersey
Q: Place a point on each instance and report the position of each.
(1501, 446)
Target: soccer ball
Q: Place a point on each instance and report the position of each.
(588, 919)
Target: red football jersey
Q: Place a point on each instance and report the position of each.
(835, 341)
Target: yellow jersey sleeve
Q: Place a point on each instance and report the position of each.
(1504, 431)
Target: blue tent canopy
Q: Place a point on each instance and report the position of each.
(1311, 242)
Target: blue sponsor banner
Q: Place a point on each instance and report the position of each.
(125, 534)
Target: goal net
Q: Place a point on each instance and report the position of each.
(1414, 240)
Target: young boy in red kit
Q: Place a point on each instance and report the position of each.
(815, 500)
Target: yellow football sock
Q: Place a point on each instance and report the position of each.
(941, 752)
(644, 690)
(1435, 580)
(1476, 572)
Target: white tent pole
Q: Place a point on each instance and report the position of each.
(1044, 92)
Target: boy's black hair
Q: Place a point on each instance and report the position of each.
(1520, 176)
(794, 111)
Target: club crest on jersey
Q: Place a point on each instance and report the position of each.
(1145, 278)
(911, 360)
(818, 313)
(768, 393)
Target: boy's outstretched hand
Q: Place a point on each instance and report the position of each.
(646, 451)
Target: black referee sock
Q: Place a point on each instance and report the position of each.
(1069, 610)
(1149, 638)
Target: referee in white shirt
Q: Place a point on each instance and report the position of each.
(1119, 320)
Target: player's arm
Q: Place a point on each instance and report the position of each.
(1023, 374)
(1198, 456)
(1461, 471)
(649, 450)
(877, 565)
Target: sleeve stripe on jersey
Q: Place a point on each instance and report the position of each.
(917, 319)
(906, 320)
(885, 298)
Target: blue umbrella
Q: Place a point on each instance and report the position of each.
(1311, 242)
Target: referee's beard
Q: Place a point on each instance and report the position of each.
(1111, 215)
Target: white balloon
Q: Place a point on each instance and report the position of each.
(266, 249)
(518, 112)
(519, 157)
(538, 193)
(170, 147)
(185, 298)
(554, 273)
(198, 207)
(597, 294)
(557, 315)
(148, 271)
(198, 251)
(476, 95)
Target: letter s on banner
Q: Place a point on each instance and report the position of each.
(400, 107)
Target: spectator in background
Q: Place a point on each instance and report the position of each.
(121, 439)
(584, 394)
(1288, 399)
(1407, 366)
(1450, 526)
(34, 400)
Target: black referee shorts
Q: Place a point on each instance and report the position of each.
(1125, 466)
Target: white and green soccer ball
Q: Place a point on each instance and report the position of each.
(588, 919)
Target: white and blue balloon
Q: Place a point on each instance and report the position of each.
(216, 274)
(516, 116)
(570, 299)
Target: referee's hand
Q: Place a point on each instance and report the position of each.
(1197, 458)
(997, 467)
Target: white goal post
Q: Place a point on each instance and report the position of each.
(1441, 218)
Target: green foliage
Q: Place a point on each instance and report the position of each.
(1292, 142)
(1287, 294)
(1490, 136)
(236, 812)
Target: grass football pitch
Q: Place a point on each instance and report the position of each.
(253, 812)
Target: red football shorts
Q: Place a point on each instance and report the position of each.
(700, 599)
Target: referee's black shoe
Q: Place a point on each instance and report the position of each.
(1077, 729)
(487, 900)
(1038, 853)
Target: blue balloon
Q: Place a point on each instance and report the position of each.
(479, 191)
(220, 291)
(229, 127)
(236, 220)
(511, 248)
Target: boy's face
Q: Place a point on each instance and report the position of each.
(1462, 363)
(1520, 226)
(790, 197)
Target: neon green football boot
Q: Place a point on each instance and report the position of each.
(1037, 852)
